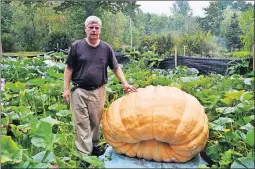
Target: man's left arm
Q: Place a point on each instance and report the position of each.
(127, 87)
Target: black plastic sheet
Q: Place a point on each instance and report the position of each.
(203, 65)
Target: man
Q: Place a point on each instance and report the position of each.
(86, 67)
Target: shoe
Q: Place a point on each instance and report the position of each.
(98, 150)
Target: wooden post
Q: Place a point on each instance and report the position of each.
(1, 56)
(1, 49)
(184, 50)
(175, 56)
(253, 67)
(131, 36)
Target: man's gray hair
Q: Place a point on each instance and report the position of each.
(93, 19)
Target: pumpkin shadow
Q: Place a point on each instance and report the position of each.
(206, 158)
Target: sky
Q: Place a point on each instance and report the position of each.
(163, 7)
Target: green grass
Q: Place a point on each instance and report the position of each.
(23, 53)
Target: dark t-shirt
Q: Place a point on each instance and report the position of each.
(89, 64)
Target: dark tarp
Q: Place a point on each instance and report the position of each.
(203, 65)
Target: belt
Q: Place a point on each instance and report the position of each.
(76, 85)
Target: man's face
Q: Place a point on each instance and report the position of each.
(93, 31)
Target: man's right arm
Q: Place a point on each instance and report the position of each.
(67, 77)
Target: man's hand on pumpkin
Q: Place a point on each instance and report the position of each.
(129, 88)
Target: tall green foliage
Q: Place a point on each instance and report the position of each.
(6, 17)
(33, 22)
(113, 28)
(214, 14)
(159, 44)
(225, 23)
(181, 7)
(246, 21)
(8, 42)
(234, 33)
(59, 40)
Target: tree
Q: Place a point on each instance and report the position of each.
(78, 11)
(92, 7)
(33, 22)
(182, 8)
(234, 33)
(242, 5)
(6, 16)
(225, 23)
(213, 17)
(148, 24)
(246, 22)
(214, 14)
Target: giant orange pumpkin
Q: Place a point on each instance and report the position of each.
(159, 123)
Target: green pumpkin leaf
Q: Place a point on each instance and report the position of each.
(226, 110)
(223, 120)
(213, 152)
(245, 120)
(15, 130)
(5, 121)
(246, 96)
(54, 74)
(23, 164)
(10, 151)
(57, 107)
(250, 138)
(43, 136)
(239, 135)
(230, 96)
(63, 113)
(243, 162)
(60, 66)
(39, 165)
(44, 157)
(216, 126)
(247, 127)
(15, 87)
(226, 158)
(50, 120)
(36, 82)
(235, 95)
(93, 160)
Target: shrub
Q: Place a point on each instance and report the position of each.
(242, 54)
(159, 44)
(8, 42)
(61, 38)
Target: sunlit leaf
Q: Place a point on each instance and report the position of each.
(216, 126)
(226, 110)
(50, 120)
(247, 127)
(63, 113)
(226, 158)
(10, 151)
(246, 96)
(57, 107)
(223, 120)
(15, 87)
(37, 82)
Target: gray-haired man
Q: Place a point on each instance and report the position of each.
(86, 67)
